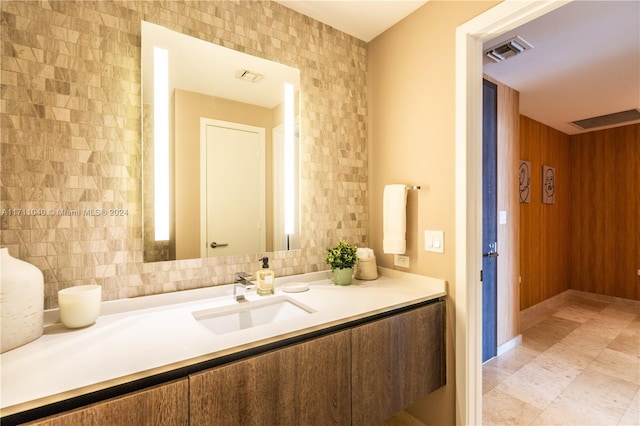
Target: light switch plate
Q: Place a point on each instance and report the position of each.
(502, 217)
(434, 241)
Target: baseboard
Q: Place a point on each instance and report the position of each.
(507, 346)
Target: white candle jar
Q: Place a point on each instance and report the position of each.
(79, 306)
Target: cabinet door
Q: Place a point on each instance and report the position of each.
(161, 405)
(304, 384)
(396, 361)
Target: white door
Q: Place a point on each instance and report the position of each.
(233, 176)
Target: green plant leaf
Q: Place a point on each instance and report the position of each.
(341, 256)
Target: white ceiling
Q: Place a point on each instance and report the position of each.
(585, 61)
(202, 67)
(363, 19)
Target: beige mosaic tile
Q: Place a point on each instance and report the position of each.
(71, 139)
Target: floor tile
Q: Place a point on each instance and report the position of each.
(588, 341)
(618, 364)
(626, 305)
(632, 415)
(567, 359)
(601, 329)
(628, 341)
(536, 384)
(500, 408)
(580, 311)
(578, 364)
(492, 376)
(403, 419)
(547, 332)
(513, 360)
(616, 315)
(532, 316)
(593, 398)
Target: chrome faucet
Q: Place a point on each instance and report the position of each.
(240, 285)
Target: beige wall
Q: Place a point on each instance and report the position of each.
(71, 137)
(412, 136)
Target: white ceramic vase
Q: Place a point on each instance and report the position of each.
(21, 301)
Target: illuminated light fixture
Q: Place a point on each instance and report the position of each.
(161, 142)
(289, 166)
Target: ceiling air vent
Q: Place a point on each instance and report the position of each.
(508, 49)
(247, 75)
(608, 119)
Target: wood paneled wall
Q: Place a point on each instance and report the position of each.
(545, 244)
(605, 221)
(508, 233)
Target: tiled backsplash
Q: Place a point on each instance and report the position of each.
(71, 174)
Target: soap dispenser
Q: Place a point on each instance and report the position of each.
(265, 278)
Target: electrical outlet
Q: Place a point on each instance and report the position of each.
(401, 261)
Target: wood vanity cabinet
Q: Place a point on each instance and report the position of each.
(304, 384)
(359, 375)
(396, 361)
(165, 405)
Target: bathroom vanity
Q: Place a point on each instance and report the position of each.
(352, 355)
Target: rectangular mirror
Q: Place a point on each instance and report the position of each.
(220, 133)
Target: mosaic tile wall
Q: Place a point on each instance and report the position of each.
(71, 168)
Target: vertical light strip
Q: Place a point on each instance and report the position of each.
(289, 166)
(161, 142)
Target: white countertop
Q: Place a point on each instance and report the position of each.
(136, 338)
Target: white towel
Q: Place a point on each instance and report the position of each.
(364, 253)
(394, 219)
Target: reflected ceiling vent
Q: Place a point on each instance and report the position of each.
(608, 120)
(508, 49)
(247, 75)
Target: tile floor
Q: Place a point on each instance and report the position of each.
(403, 419)
(578, 364)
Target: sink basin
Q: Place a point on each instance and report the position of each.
(228, 319)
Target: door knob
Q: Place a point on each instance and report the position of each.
(214, 244)
(493, 251)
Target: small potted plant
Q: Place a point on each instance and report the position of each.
(342, 258)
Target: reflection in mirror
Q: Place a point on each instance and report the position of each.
(220, 150)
